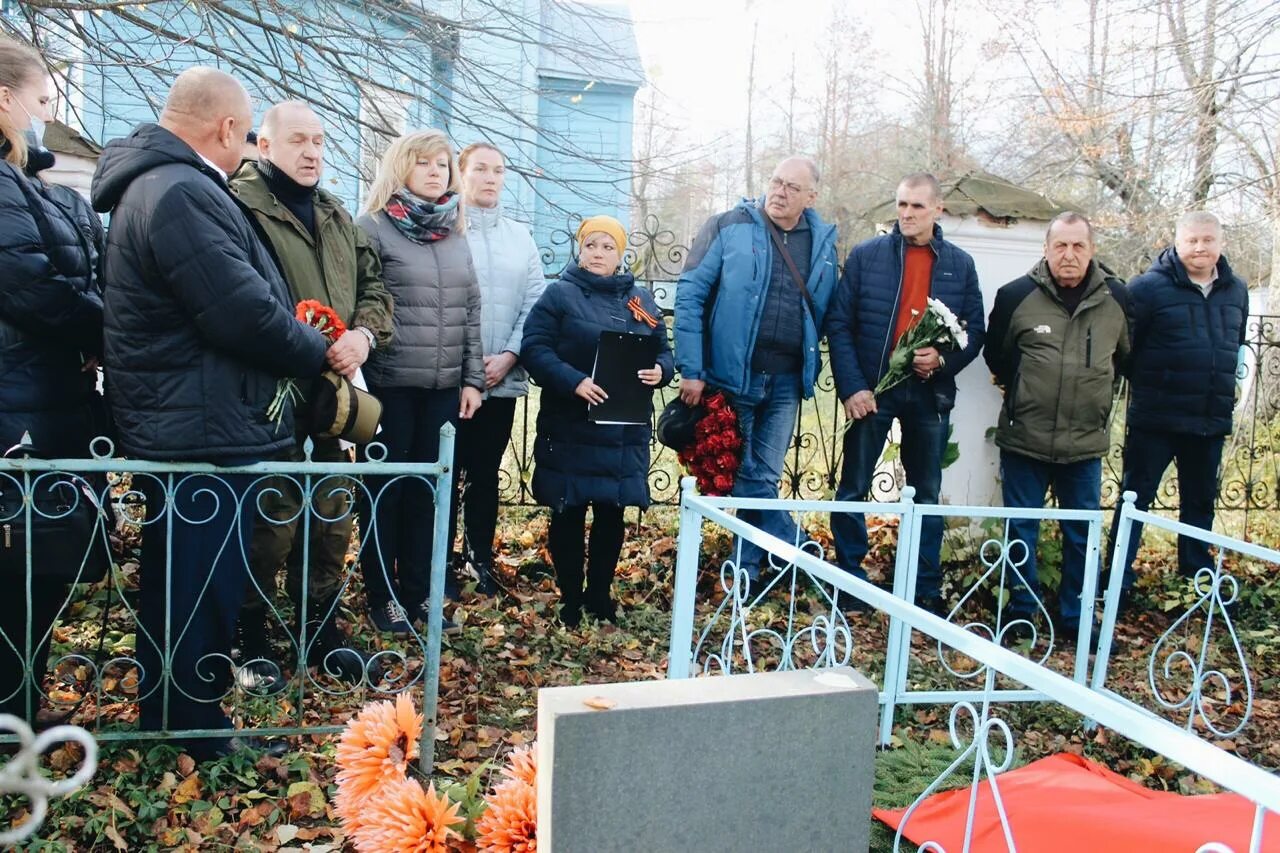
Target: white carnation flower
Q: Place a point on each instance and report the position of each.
(952, 322)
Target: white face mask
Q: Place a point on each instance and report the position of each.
(35, 133)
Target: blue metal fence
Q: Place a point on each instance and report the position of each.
(95, 672)
(740, 617)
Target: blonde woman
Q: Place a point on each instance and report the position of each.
(432, 373)
(50, 339)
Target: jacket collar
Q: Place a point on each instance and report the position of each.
(820, 228)
(1171, 266)
(935, 242)
(484, 218)
(589, 281)
(251, 188)
(1094, 278)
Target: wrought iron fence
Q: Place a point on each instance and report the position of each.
(740, 633)
(1250, 478)
(136, 655)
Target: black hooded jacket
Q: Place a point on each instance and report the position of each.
(199, 323)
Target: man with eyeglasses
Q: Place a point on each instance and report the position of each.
(886, 283)
(749, 310)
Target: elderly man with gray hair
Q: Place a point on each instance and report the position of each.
(1188, 314)
(749, 311)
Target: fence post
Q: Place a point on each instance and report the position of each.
(688, 546)
(898, 649)
(440, 548)
(1088, 592)
(1124, 529)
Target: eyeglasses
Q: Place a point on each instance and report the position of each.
(776, 184)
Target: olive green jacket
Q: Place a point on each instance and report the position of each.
(1059, 371)
(338, 267)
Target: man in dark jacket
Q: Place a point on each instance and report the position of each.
(1188, 314)
(325, 257)
(199, 329)
(887, 281)
(746, 326)
(1056, 342)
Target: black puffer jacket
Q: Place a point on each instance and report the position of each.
(1185, 347)
(50, 317)
(199, 323)
(579, 461)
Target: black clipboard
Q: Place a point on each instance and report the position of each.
(619, 356)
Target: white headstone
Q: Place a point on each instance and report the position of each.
(1001, 253)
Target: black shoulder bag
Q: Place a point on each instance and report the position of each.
(791, 265)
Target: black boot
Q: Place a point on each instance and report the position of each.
(331, 651)
(257, 673)
(484, 582)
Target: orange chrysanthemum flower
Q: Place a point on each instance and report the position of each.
(510, 823)
(405, 818)
(375, 750)
(522, 765)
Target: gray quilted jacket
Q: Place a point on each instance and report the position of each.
(511, 280)
(436, 342)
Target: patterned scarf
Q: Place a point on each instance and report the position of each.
(420, 220)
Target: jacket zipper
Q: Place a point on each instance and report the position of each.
(1213, 348)
(1088, 347)
(755, 329)
(435, 256)
(490, 297)
(897, 300)
(1062, 372)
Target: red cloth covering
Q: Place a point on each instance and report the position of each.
(1068, 804)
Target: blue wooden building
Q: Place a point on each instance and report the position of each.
(550, 82)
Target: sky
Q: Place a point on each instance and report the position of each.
(697, 53)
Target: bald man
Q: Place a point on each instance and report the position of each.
(325, 256)
(199, 330)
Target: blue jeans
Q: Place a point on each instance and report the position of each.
(924, 440)
(767, 420)
(1077, 485)
(1147, 453)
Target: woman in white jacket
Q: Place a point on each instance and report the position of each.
(511, 280)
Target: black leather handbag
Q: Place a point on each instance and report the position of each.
(68, 526)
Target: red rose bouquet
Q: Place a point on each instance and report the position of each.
(715, 454)
(326, 321)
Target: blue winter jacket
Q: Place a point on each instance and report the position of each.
(727, 275)
(865, 307)
(1183, 368)
(578, 461)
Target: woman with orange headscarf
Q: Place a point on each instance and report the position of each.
(580, 463)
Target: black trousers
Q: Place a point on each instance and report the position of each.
(481, 443)
(47, 597)
(395, 550)
(1147, 453)
(566, 541)
(193, 555)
